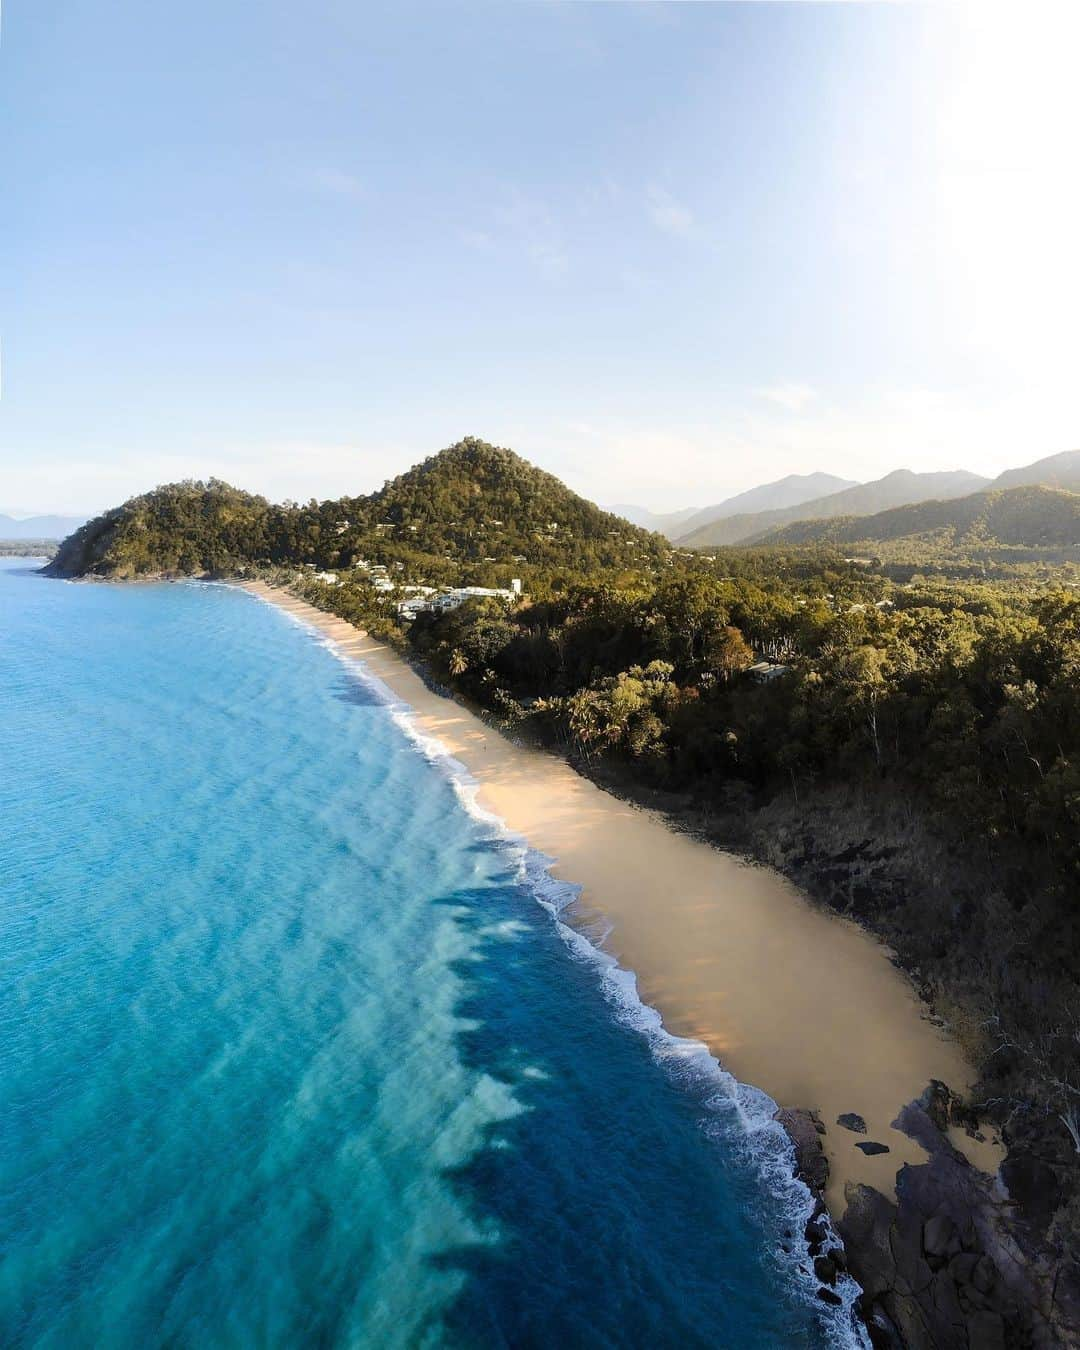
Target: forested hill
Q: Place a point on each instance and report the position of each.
(481, 499)
(1029, 517)
(472, 505)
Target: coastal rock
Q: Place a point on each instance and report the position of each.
(940, 1238)
(853, 1122)
(815, 1234)
(1034, 1185)
(804, 1129)
(871, 1148)
(825, 1269)
(986, 1331)
(937, 1102)
(951, 1265)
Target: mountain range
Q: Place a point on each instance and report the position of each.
(793, 490)
(38, 527)
(477, 504)
(1060, 471)
(788, 493)
(668, 523)
(1027, 516)
(1035, 505)
(762, 514)
(896, 489)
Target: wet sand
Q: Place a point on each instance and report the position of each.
(798, 1002)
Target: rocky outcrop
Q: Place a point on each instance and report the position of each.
(852, 1121)
(804, 1129)
(827, 1256)
(953, 1264)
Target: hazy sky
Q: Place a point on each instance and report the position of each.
(665, 251)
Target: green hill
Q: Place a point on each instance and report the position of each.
(180, 528)
(1027, 517)
(473, 503)
(479, 500)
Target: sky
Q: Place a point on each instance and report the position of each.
(664, 251)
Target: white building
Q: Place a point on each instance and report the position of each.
(440, 603)
(764, 671)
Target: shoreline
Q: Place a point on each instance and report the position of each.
(798, 1002)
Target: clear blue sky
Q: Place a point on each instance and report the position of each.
(664, 251)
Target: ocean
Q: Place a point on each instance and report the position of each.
(294, 1049)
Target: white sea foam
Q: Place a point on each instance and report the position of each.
(689, 1062)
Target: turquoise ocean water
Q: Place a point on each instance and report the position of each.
(293, 1051)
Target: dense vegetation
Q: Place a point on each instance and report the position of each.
(951, 703)
(929, 707)
(472, 512)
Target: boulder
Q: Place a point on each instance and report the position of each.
(1034, 1186)
(940, 1238)
(937, 1102)
(815, 1234)
(850, 1121)
(882, 1331)
(825, 1269)
(986, 1331)
(804, 1129)
(962, 1267)
(871, 1148)
(954, 1264)
(984, 1276)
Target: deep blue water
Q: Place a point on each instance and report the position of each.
(291, 1055)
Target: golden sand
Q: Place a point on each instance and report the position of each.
(800, 1003)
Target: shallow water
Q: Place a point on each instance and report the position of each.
(290, 1054)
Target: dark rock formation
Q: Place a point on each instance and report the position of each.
(872, 1148)
(804, 1129)
(853, 1122)
(952, 1265)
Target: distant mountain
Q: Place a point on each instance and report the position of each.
(39, 527)
(1032, 517)
(473, 503)
(667, 523)
(1060, 471)
(793, 490)
(899, 488)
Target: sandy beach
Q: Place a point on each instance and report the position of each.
(800, 1003)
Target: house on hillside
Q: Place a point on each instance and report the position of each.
(453, 597)
(764, 671)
